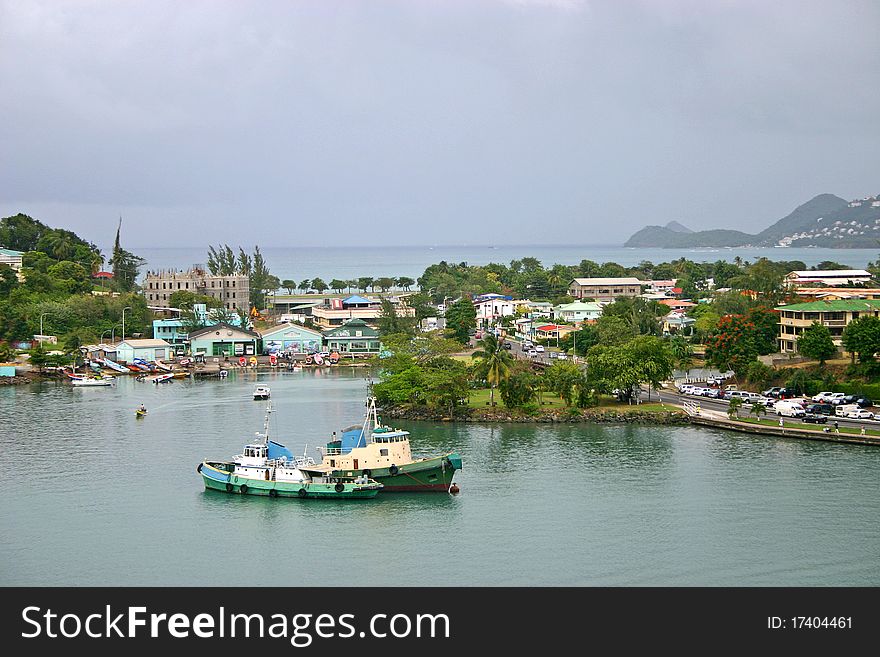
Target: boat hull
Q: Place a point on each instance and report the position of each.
(217, 477)
(423, 476)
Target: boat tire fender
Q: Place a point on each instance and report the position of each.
(229, 488)
(393, 470)
(199, 468)
(339, 487)
(273, 492)
(244, 489)
(367, 472)
(302, 492)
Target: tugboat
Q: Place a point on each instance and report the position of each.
(267, 468)
(383, 453)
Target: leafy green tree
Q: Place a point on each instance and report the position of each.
(288, 285)
(613, 330)
(38, 356)
(641, 315)
(389, 322)
(338, 285)
(563, 378)
(493, 362)
(364, 282)
(305, 285)
(579, 342)
(405, 282)
(520, 387)
(319, 285)
(682, 352)
(816, 343)
(385, 283)
(862, 337)
(7, 353)
(461, 318)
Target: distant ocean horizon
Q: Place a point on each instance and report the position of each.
(298, 263)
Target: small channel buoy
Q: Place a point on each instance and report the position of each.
(454, 489)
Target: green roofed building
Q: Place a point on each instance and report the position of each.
(795, 318)
(354, 337)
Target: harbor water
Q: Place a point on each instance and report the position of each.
(94, 496)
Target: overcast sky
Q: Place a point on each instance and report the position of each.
(444, 122)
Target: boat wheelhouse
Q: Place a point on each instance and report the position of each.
(384, 454)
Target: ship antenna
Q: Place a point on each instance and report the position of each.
(266, 423)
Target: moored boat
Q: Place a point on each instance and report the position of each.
(383, 453)
(93, 381)
(261, 392)
(268, 468)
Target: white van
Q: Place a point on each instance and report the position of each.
(842, 409)
(787, 408)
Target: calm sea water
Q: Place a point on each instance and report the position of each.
(92, 496)
(352, 262)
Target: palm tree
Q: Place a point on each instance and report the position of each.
(495, 362)
(733, 408)
(682, 352)
(758, 409)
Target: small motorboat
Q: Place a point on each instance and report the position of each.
(160, 378)
(89, 381)
(141, 412)
(261, 392)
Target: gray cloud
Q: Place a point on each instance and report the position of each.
(505, 121)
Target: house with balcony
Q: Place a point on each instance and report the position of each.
(795, 318)
(604, 289)
(578, 311)
(492, 307)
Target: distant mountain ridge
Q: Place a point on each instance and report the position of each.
(825, 220)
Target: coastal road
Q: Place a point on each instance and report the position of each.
(672, 396)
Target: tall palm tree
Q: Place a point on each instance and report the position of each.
(495, 362)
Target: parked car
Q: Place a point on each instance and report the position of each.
(540, 348)
(552, 354)
(772, 392)
(561, 356)
(820, 409)
(507, 345)
(864, 402)
(822, 396)
(835, 398)
(533, 353)
(730, 387)
(815, 418)
(860, 414)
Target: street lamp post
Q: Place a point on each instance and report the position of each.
(113, 335)
(41, 323)
(123, 321)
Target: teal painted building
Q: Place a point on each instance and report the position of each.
(291, 338)
(223, 339)
(355, 337)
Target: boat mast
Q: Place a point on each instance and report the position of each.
(265, 434)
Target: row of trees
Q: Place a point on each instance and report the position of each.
(223, 261)
(384, 283)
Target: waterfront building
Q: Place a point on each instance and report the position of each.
(174, 331)
(337, 312)
(578, 311)
(291, 338)
(604, 289)
(145, 349)
(223, 339)
(355, 337)
(829, 277)
(836, 315)
(231, 290)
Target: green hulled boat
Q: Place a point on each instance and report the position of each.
(383, 454)
(268, 468)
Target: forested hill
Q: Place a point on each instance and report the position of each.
(826, 220)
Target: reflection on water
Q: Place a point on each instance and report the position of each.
(93, 496)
